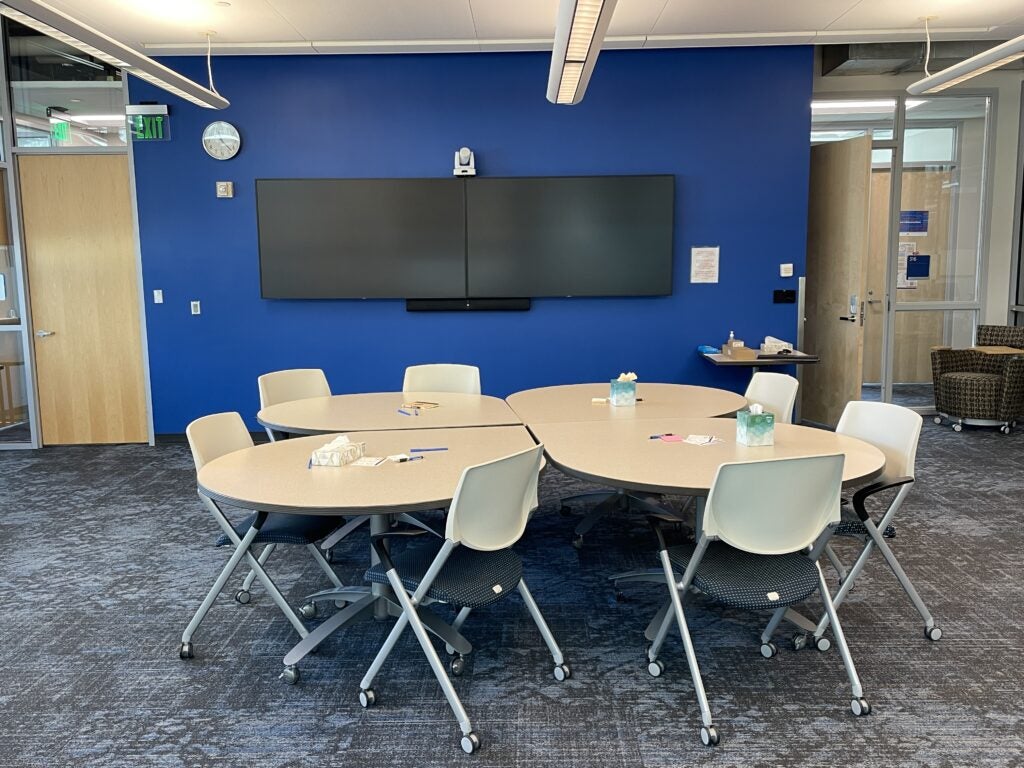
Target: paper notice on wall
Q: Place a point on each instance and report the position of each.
(902, 282)
(704, 265)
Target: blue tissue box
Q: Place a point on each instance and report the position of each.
(755, 429)
(622, 392)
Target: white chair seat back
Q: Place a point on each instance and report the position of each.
(775, 392)
(893, 429)
(213, 436)
(493, 501)
(774, 507)
(442, 377)
(294, 384)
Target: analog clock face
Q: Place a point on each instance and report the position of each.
(221, 140)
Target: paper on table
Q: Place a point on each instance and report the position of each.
(703, 440)
(704, 265)
(368, 461)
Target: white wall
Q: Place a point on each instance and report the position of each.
(995, 291)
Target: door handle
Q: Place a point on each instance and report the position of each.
(852, 319)
(44, 334)
(874, 301)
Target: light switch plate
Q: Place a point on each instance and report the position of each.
(785, 270)
(195, 307)
(225, 189)
(158, 296)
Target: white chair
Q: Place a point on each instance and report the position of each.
(895, 431)
(758, 521)
(775, 392)
(211, 437)
(472, 567)
(442, 377)
(294, 384)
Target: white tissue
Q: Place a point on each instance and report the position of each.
(337, 453)
(627, 376)
(756, 409)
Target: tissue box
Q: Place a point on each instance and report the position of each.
(755, 429)
(337, 453)
(622, 392)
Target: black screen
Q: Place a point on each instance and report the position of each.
(570, 236)
(361, 238)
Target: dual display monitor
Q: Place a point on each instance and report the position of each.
(465, 238)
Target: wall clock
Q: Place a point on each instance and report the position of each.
(221, 140)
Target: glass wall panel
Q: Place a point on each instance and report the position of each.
(13, 390)
(10, 312)
(60, 96)
(841, 119)
(917, 331)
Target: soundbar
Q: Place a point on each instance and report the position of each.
(467, 305)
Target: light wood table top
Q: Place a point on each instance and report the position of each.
(1000, 350)
(621, 453)
(794, 358)
(276, 477)
(379, 411)
(572, 403)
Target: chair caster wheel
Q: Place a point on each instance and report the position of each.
(470, 743)
(933, 633)
(577, 541)
(367, 698)
(242, 596)
(655, 668)
(860, 707)
(339, 604)
(769, 649)
(290, 674)
(458, 665)
(1005, 429)
(709, 736)
(186, 651)
(565, 511)
(822, 643)
(562, 672)
(958, 427)
(799, 642)
(937, 419)
(308, 611)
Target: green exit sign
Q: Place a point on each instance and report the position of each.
(60, 131)
(150, 127)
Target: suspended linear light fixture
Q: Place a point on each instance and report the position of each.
(579, 31)
(968, 68)
(44, 18)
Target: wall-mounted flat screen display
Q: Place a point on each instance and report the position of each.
(570, 236)
(361, 238)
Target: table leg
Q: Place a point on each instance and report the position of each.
(379, 524)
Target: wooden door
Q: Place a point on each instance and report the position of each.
(837, 246)
(83, 286)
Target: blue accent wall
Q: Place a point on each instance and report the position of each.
(732, 125)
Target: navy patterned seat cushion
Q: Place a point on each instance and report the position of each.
(744, 580)
(469, 578)
(287, 529)
(973, 395)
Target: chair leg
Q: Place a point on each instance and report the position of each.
(385, 651)
(409, 612)
(844, 649)
(836, 563)
(324, 565)
(773, 624)
(901, 575)
(659, 618)
(538, 619)
(251, 576)
(344, 531)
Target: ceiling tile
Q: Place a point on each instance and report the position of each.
(378, 20)
(695, 17)
(887, 14)
(522, 19)
(181, 21)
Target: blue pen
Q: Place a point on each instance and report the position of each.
(310, 465)
(405, 413)
(425, 450)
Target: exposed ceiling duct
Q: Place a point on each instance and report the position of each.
(897, 58)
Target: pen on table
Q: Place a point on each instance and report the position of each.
(410, 458)
(310, 465)
(655, 437)
(425, 450)
(407, 413)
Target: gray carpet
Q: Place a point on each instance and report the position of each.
(107, 552)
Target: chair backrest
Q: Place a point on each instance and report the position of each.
(776, 392)
(774, 507)
(893, 429)
(442, 377)
(1001, 336)
(213, 436)
(294, 384)
(494, 501)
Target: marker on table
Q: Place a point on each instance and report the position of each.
(310, 465)
(409, 458)
(425, 450)
(658, 437)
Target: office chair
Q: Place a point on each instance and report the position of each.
(472, 567)
(895, 431)
(209, 438)
(442, 377)
(285, 387)
(759, 519)
(775, 392)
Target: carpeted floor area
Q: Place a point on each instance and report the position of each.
(107, 552)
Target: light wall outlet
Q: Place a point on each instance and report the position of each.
(158, 296)
(225, 189)
(785, 270)
(195, 307)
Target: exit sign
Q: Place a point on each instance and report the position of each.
(60, 131)
(150, 127)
